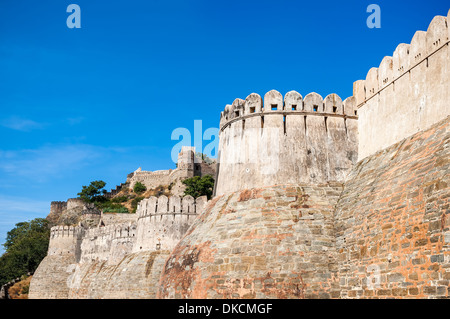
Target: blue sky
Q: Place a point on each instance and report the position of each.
(98, 102)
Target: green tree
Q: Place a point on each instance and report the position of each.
(135, 202)
(94, 192)
(199, 186)
(139, 188)
(25, 247)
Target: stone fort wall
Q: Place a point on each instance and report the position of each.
(76, 253)
(382, 233)
(322, 226)
(188, 165)
(284, 141)
(408, 92)
(392, 221)
(164, 220)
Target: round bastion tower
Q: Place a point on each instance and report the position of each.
(269, 232)
(290, 141)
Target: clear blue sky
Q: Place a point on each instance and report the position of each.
(98, 102)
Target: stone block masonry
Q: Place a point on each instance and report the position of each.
(392, 221)
(274, 242)
(408, 92)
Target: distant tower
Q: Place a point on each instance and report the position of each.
(185, 161)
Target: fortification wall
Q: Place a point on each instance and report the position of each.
(117, 260)
(272, 242)
(125, 261)
(408, 92)
(64, 240)
(151, 179)
(50, 278)
(118, 218)
(66, 213)
(286, 141)
(57, 207)
(392, 221)
(114, 191)
(109, 244)
(163, 221)
(135, 277)
(185, 169)
(73, 203)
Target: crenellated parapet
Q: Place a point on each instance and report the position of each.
(292, 104)
(163, 221)
(109, 243)
(63, 231)
(177, 205)
(407, 92)
(287, 140)
(64, 240)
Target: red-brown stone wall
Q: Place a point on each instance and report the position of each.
(274, 242)
(393, 218)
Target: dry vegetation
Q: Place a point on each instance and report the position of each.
(20, 289)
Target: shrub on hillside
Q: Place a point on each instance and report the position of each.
(199, 186)
(139, 188)
(134, 204)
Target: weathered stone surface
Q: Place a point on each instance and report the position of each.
(136, 276)
(188, 165)
(408, 93)
(275, 242)
(120, 260)
(305, 141)
(392, 218)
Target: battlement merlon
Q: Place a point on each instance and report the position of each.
(292, 104)
(405, 58)
(175, 205)
(274, 141)
(407, 92)
(64, 240)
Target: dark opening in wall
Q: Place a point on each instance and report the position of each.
(243, 124)
(315, 107)
(334, 109)
(356, 112)
(294, 107)
(262, 121)
(252, 109)
(274, 107)
(236, 113)
(284, 123)
(305, 123)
